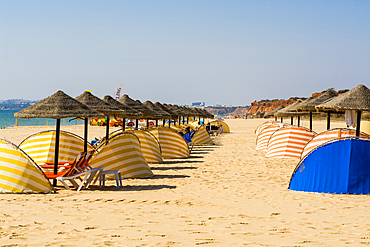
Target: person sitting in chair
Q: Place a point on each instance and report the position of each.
(187, 136)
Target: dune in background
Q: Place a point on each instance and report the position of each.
(224, 195)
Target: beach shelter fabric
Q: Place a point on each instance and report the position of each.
(288, 142)
(338, 166)
(150, 146)
(122, 153)
(225, 127)
(172, 143)
(265, 134)
(329, 135)
(41, 146)
(201, 137)
(19, 173)
(264, 125)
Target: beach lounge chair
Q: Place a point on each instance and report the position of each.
(64, 168)
(82, 172)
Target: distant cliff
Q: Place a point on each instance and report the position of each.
(262, 107)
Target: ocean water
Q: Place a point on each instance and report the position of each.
(7, 119)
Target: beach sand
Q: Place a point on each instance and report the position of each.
(224, 195)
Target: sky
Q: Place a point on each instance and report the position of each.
(220, 52)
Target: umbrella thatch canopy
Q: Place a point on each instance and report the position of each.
(154, 115)
(156, 110)
(287, 110)
(138, 106)
(57, 106)
(310, 103)
(189, 112)
(128, 112)
(209, 115)
(357, 99)
(272, 112)
(98, 105)
(174, 109)
(173, 115)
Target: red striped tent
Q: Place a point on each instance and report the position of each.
(288, 142)
(264, 125)
(265, 134)
(329, 135)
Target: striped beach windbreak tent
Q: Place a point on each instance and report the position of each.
(201, 137)
(288, 142)
(328, 135)
(41, 146)
(172, 143)
(122, 153)
(264, 125)
(225, 127)
(265, 134)
(19, 173)
(150, 146)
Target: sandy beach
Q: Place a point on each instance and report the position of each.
(223, 195)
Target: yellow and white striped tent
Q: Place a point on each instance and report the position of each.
(19, 173)
(172, 143)
(122, 153)
(150, 146)
(201, 137)
(41, 146)
(225, 127)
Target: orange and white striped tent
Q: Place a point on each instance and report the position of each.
(19, 173)
(172, 143)
(288, 142)
(265, 134)
(122, 153)
(329, 135)
(41, 146)
(264, 125)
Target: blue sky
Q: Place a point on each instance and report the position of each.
(220, 52)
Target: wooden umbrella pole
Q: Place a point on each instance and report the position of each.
(107, 131)
(147, 123)
(299, 120)
(358, 123)
(310, 120)
(328, 121)
(137, 124)
(156, 123)
(281, 119)
(123, 124)
(56, 151)
(85, 134)
(291, 120)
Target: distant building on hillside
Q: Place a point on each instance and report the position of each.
(198, 104)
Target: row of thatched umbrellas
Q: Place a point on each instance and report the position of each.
(60, 105)
(357, 99)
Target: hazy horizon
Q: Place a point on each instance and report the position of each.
(219, 52)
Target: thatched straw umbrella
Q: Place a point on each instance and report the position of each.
(98, 105)
(138, 106)
(154, 115)
(288, 112)
(156, 110)
(273, 111)
(172, 114)
(127, 111)
(309, 105)
(357, 99)
(57, 106)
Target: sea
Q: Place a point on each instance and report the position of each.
(7, 120)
